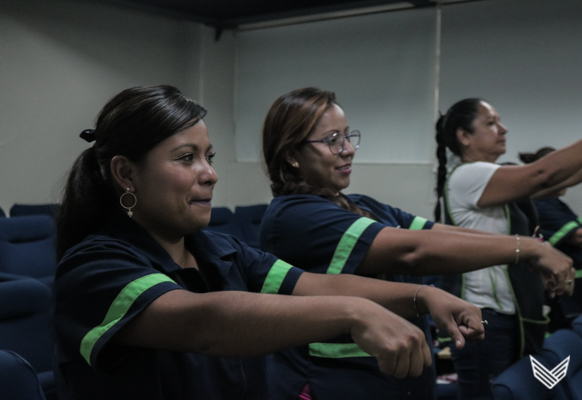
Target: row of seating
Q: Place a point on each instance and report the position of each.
(518, 382)
(243, 223)
(18, 210)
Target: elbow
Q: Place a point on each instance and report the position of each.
(546, 177)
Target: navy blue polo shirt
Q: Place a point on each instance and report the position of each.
(557, 224)
(319, 236)
(109, 278)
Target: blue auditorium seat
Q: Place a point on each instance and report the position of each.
(18, 379)
(566, 343)
(518, 381)
(27, 247)
(19, 210)
(249, 218)
(222, 220)
(25, 325)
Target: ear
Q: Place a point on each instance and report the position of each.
(463, 136)
(122, 170)
(290, 158)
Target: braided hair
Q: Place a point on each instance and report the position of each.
(461, 115)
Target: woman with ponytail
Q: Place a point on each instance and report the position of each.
(149, 306)
(308, 148)
(480, 194)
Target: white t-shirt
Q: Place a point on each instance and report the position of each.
(488, 287)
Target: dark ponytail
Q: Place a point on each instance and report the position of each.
(130, 124)
(528, 158)
(460, 115)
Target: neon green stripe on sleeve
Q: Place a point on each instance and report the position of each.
(275, 277)
(336, 350)
(578, 274)
(417, 224)
(556, 237)
(347, 243)
(118, 309)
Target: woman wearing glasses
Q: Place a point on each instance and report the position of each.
(308, 148)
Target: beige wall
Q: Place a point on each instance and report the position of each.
(60, 61)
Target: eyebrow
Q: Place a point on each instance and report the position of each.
(193, 146)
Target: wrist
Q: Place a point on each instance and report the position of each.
(421, 299)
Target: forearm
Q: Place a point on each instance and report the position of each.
(238, 324)
(395, 296)
(442, 251)
(572, 180)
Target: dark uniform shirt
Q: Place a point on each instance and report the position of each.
(109, 278)
(319, 236)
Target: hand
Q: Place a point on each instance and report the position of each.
(460, 319)
(556, 269)
(399, 346)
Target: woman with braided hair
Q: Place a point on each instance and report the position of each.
(308, 148)
(480, 194)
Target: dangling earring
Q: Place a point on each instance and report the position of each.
(295, 164)
(129, 212)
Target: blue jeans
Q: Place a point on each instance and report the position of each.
(480, 362)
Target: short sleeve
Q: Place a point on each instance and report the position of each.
(467, 183)
(315, 234)
(100, 287)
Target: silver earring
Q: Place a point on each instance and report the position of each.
(295, 164)
(129, 212)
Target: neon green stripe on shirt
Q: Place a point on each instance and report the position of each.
(556, 237)
(417, 224)
(336, 350)
(347, 243)
(118, 309)
(275, 277)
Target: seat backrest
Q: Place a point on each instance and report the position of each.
(249, 218)
(18, 379)
(519, 383)
(27, 246)
(50, 209)
(566, 343)
(222, 220)
(25, 325)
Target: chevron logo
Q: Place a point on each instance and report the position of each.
(549, 378)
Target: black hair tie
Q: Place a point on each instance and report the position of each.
(88, 135)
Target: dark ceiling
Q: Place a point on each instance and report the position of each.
(230, 14)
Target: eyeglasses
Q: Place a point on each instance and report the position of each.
(337, 141)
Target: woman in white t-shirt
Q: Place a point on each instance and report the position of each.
(482, 195)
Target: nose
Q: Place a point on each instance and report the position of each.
(208, 175)
(502, 128)
(347, 149)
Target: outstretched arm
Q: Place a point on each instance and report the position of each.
(446, 251)
(241, 324)
(554, 171)
(460, 319)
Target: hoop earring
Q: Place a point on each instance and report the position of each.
(129, 212)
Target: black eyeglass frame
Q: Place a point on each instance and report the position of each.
(354, 133)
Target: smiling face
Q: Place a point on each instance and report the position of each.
(174, 184)
(487, 142)
(317, 164)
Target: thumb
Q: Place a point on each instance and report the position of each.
(455, 334)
